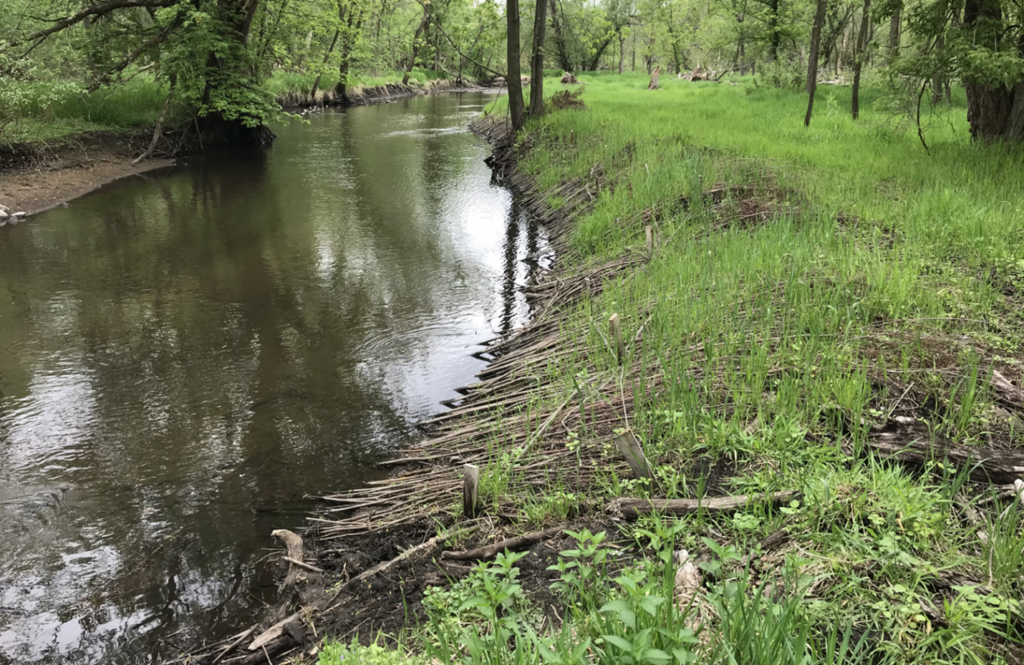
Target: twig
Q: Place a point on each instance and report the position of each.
(302, 564)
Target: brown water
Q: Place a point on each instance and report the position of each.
(185, 357)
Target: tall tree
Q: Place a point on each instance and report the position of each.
(516, 105)
(537, 60)
(859, 56)
(416, 41)
(812, 59)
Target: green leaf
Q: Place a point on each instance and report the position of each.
(619, 642)
(615, 606)
(476, 601)
(650, 604)
(652, 655)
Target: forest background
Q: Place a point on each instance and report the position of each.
(226, 65)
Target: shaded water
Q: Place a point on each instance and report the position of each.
(185, 357)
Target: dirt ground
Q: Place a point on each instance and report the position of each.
(36, 177)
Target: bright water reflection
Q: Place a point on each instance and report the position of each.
(185, 357)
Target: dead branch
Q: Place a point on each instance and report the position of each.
(489, 551)
(633, 508)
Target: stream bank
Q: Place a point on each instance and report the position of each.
(35, 177)
(371, 555)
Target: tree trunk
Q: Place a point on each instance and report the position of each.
(632, 67)
(774, 36)
(562, 50)
(812, 59)
(937, 77)
(894, 33)
(598, 53)
(327, 56)
(416, 43)
(858, 58)
(353, 19)
(514, 78)
(995, 112)
(537, 60)
(622, 51)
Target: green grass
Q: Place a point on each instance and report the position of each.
(52, 111)
(866, 277)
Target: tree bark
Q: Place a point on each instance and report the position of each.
(894, 32)
(993, 111)
(353, 24)
(774, 36)
(537, 60)
(622, 51)
(561, 49)
(812, 59)
(858, 59)
(516, 106)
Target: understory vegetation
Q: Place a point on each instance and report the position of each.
(815, 298)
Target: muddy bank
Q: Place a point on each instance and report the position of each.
(37, 176)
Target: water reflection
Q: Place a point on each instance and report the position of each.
(185, 357)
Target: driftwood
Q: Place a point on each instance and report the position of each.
(633, 508)
(488, 551)
(381, 567)
(983, 464)
(272, 633)
(293, 544)
(1007, 393)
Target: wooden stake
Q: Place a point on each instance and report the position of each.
(634, 454)
(616, 328)
(650, 240)
(470, 489)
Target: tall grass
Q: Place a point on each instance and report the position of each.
(45, 111)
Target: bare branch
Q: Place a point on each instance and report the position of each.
(101, 9)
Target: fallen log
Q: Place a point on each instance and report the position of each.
(984, 465)
(489, 551)
(633, 508)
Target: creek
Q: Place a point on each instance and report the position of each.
(188, 358)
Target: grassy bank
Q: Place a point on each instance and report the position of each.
(44, 112)
(816, 299)
(284, 84)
